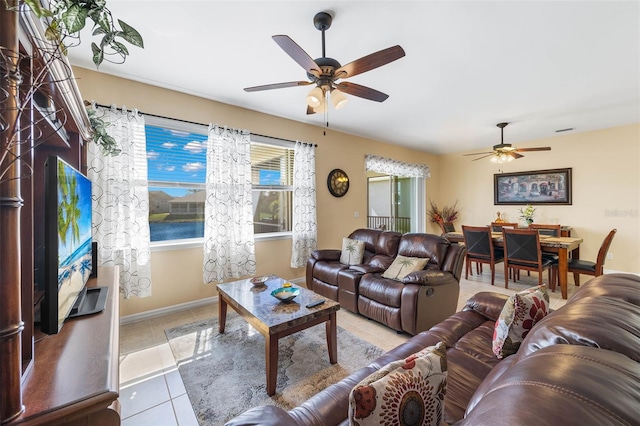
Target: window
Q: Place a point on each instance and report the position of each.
(272, 179)
(176, 159)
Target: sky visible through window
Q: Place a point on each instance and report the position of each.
(175, 156)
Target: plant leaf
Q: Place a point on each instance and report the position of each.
(120, 48)
(99, 30)
(98, 54)
(130, 34)
(74, 18)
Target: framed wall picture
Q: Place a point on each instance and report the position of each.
(535, 187)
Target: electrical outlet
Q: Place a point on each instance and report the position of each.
(356, 214)
(609, 255)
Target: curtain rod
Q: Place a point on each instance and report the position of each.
(201, 124)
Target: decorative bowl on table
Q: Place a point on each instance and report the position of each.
(259, 281)
(285, 294)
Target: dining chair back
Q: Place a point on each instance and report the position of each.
(522, 252)
(550, 230)
(497, 226)
(578, 266)
(480, 249)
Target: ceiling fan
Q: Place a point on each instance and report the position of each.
(505, 152)
(325, 72)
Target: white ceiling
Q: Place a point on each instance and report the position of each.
(542, 66)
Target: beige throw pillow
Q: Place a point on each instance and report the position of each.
(403, 266)
(352, 252)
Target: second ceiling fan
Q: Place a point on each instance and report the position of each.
(505, 152)
(325, 72)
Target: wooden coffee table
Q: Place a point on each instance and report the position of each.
(275, 319)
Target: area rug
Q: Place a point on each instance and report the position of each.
(224, 374)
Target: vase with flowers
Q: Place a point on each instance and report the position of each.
(526, 214)
(443, 215)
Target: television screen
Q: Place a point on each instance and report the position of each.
(67, 241)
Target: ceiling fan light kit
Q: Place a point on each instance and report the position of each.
(315, 97)
(505, 152)
(325, 72)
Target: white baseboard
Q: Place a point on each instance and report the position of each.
(181, 307)
(167, 310)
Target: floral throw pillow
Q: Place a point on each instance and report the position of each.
(410, 391)
(352, 252)
(520, 313)
(403, 266)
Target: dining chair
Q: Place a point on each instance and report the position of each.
(497, 226)
(578, 266)
(550, 230)
(522, 252)
(480, 249)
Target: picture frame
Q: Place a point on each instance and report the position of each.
(534, 187)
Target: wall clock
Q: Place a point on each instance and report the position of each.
(338, 182)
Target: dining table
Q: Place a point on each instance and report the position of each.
(562, 246)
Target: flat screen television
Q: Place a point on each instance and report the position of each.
(68, 244)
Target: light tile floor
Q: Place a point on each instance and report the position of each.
(151, 389)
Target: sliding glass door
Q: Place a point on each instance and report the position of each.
(396, 203)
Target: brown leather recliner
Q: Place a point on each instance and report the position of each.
(327, 276)
(423, 298)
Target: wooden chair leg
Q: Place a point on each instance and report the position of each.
(466, 269)
(576, 278)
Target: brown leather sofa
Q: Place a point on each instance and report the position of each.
(578, 365)
(421, 300)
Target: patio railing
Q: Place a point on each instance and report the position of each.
(388, 223)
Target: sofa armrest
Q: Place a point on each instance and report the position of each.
(268, 415)
(326, 254)
(366, 269)
(487, 303)
(430, 278)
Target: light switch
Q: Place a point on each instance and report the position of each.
(356, 214)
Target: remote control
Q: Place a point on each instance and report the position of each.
(316, 303)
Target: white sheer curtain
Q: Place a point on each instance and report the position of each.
(121, 201)
(305, 229)
(392, 167)
(229, 250)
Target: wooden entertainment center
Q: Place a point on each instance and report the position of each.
(71, 377)
(74, 379)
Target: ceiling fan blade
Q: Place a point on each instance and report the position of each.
(297, 54)
(478, 153)
(514, 155)
(546, 148)
(310, 110)
(369, 62)
(362, 91)
(277, 86)
(480, 158)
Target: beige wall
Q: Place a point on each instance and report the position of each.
(606, 185)
(177, 274)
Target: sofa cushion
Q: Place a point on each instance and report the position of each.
(559, 384)
(520, 313)
(402, 266)
(407, 391)
(352, 252)
(431, 247)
